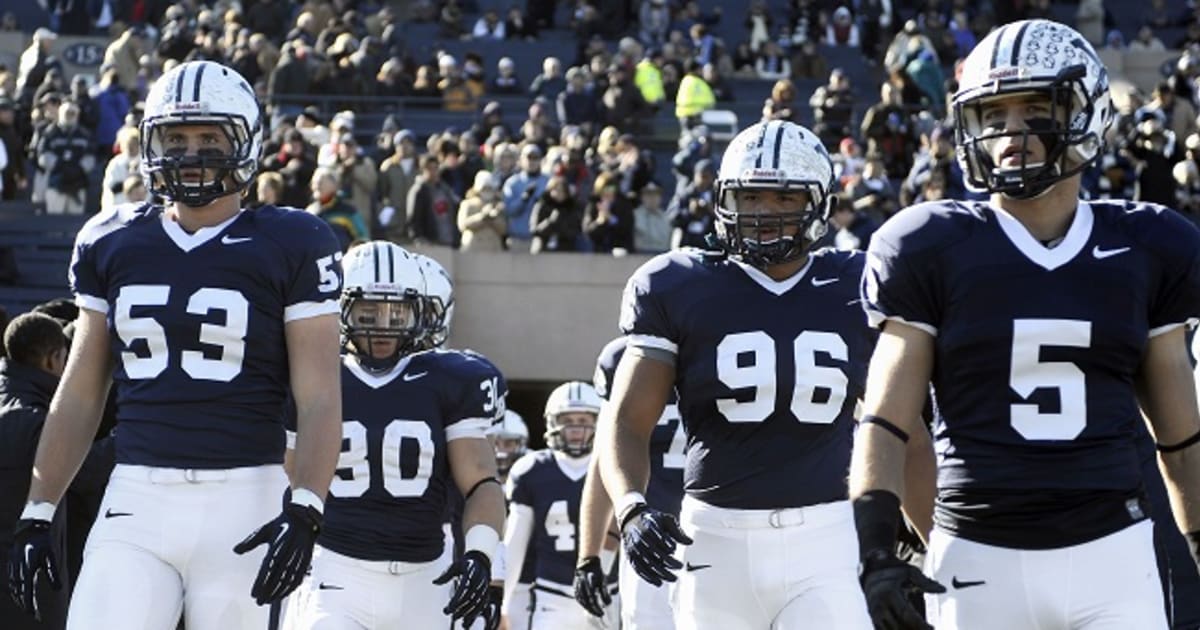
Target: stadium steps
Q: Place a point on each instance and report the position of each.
(41, 247)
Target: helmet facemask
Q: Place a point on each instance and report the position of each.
(763, 239)
(437, 324)
(558, 432)
(214, 173)
(1069, 145)
(371, 317)
(509, 448)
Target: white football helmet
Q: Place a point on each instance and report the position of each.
(1032, 57)
(773, 155)
(510, 440)
(572, 396)
(439, 301)
(382, 273)
(198, 93)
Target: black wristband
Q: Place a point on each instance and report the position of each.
(877, 519)
(886, 425)
(1171, 448)
(480, 483)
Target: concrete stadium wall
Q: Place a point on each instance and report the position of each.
(539, 318)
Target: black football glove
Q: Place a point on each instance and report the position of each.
(590, 590)
(470, 598)
(32, 554)
(289, 539)
(649, 538)
(887, 582)
(491, 610)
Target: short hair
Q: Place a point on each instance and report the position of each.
(31, 337)
(62, 309)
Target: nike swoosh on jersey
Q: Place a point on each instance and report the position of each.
(1107, 253)
(111, 514)
(412, 377)
(230, 240)
(956, 583)
(696, 567)
(329, 587)
(820, 282)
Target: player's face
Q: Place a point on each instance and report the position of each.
(577, 426)
(1011, 113)
(374, 314)
(203, 140)
(768, 203)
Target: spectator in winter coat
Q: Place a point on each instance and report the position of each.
(556, 222)
(481, 216)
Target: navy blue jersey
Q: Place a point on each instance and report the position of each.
(1036, 353)
(389, 495)
(538, 481)
(667, 441)
(197, 326)
(768, 373)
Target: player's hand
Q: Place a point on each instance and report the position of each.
(470, 598)
(289, 539)
(32, 554)
(590, 590)
(649, 538)
(887, 581)
(491, 610)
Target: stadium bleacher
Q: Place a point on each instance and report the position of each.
(41, 247)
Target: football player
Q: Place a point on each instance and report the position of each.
(438, 311)
(643, 606)
(767, 392)
(415, 424)
(544, 488)
(204, 316)
(1047, 326)
(510, 439)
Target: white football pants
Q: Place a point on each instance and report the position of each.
(643, 606)
(769, 569)
(344, 593)
(163, 542)
(1110, 583)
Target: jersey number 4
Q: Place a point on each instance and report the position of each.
(747, 360)
(353, 477)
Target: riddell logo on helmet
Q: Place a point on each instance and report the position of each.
(763, 173)
(188, 107)
(1009, 72)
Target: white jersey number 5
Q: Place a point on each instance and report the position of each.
(1030, 373)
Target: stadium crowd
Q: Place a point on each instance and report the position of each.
(579, 173)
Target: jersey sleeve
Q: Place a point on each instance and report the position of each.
(1177, 299)
(644, 318)
(900, 276)
(606, 367)
(480, 402)
(518, 488)
(316, 274)
(85, 275)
